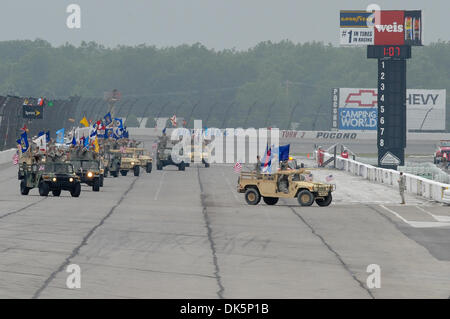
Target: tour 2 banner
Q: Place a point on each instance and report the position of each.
(356, 109)
(397, 27)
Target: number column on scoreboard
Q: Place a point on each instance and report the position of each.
(391, 136)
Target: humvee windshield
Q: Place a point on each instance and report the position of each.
(445, 143)
(59, 168)
(86, 165)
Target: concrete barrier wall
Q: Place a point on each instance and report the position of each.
(6, 156)
(414, 184)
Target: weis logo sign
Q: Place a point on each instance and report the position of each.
(390, 29)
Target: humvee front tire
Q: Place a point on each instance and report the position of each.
(24, 190)
(252, 196)
(326, 201)
(206, 164)
(76, 190)
(181, 166)
(136, 170)
(123, 173)
(115, 173)
(305, 198)
(96, 186)
(159, 166)
(56, 192)
(101, 180)
(44, 189)
(270, 200)
(148, 168)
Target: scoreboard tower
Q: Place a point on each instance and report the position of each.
(391, 133)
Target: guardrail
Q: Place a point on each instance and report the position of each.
(414, 184)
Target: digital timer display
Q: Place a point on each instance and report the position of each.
(388, 51)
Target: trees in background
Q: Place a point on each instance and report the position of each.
(270, 84)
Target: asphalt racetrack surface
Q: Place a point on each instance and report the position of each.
(174, 234)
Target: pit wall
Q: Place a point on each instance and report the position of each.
(420, 186)
(6, 156)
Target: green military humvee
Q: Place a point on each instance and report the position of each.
(112, 161)
(53, 177)
(88, 170)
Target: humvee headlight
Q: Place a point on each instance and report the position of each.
(71, 179)
(54, 179)
(89, 174)
(132, 163)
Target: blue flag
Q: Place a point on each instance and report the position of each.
(41, 133)
(164, 130)
(119, 122)
(23, 141)
(60, 136)
(47, 136)
(108, 119)
(283, 152)
(74, 141)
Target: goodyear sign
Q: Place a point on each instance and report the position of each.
(358, 119)
(32, 112)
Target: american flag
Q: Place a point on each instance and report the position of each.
(15, 159)
(237, 167)
(329, 178)
(173, 120)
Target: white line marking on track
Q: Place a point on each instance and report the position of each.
(439, 218)
(159, 186)
(416, 224)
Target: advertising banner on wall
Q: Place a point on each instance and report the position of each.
(425, 109)
(396, 27)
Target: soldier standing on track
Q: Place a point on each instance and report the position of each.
(402, 186)
(258, 165)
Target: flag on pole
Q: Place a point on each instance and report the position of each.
(15, 158)
(84, 121)
(60, 136)
(108, 119)
(74, 141)
(96, 146)
(173, 120)
(284, 152)
(266, 164)
(41, 142)
(23, 142)
(237, 167)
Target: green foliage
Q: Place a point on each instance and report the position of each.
(269, 84)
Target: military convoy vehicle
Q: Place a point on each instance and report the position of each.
(164, 158)
(53, 177)
(198, 152)
(112, 159)
(126, 161)
(141, 155)
(89, 172)
(266, 186)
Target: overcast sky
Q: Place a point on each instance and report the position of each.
(217, 24)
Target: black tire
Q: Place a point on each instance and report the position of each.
(105, 173)
(181, 166)
(252, 196)
(324, 202)
(159, 166)
(136, 170)
(76, 190)
(123, 173)
(305, 198)
(270, 200)
(24, 190)
(44, 189)
(56, 192)
(101, 180)
(96, 185)
(148, 168)
(206, 164)
(115, 173)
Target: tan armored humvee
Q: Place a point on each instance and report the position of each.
(266, 186)
(142, 156)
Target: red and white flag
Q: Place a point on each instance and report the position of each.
(237, 167)
(173, 120)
